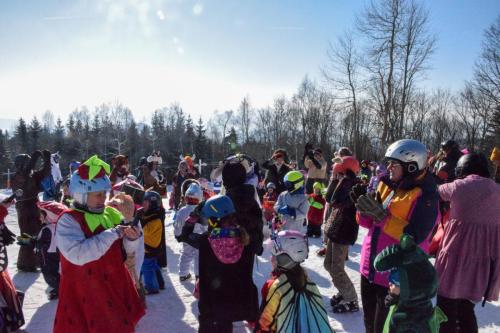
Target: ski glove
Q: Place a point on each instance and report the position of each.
(357, 191)
(285, 210)
(26, 240)
(368, 206)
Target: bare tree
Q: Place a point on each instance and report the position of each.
(398, 46)
(487, 69)
(342, 72)
(244, 119)
(48, 120)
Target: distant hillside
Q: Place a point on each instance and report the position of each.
(8, 124)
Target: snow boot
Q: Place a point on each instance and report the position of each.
(336, 299)
(344, 307)
(185, 277)
(53, 294)
(321, 252)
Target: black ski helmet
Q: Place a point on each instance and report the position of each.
(21, 162)
(449, 145)
(472, 164)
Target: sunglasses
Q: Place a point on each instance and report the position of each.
(390, 163)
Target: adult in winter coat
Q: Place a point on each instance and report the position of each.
(119, 170)
(405, 202)
(226, 289)
(316, 167)
(276, 170)
(468, 262)
(28, 214)
(97, 293)
(183, 172)
(341, 233)
(447, 161)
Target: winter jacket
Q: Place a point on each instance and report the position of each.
(292, 207)
(248, 214)
(287, 310)
(344, 228)
(316, 209)
(268, 205)
(152, 227)
(227, 291)
(446, 171)
(468, 263)
(413, 208)
(275, 176)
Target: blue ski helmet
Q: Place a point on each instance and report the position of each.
(91, 176)
(217, 207)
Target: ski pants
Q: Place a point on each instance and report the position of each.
(50, 270)
(335, 265)
(374, 309)
(460, 313)
(149, 271)
(188, 255)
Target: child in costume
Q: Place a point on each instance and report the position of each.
(413, 284)
(290, 301)
(224, 286)
(192, 197)
(316, 211)
(151, 217)
(292, 204)
(45, 244)
(11, 312)
(97, 293)
(269, 201)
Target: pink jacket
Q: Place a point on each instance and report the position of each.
(468, 263)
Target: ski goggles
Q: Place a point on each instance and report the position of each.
(218, 233)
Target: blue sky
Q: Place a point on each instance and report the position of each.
(206, 55)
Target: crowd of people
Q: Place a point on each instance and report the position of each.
(106, 226)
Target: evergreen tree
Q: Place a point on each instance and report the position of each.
(21, 137)
(35, 131)
(59, 137)
(190, 135)
(4, 154)
(200, 142)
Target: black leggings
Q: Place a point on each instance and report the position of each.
(460, 313)
(374, 309)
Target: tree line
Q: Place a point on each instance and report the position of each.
(370, 93)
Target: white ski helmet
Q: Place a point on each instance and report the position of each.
(290, 247)
(194, 191)
(412, 153)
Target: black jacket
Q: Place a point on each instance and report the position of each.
(275, 176)
(344, 228)
(227, 291)
(248, 214)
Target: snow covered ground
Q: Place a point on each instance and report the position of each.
(175, 309)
